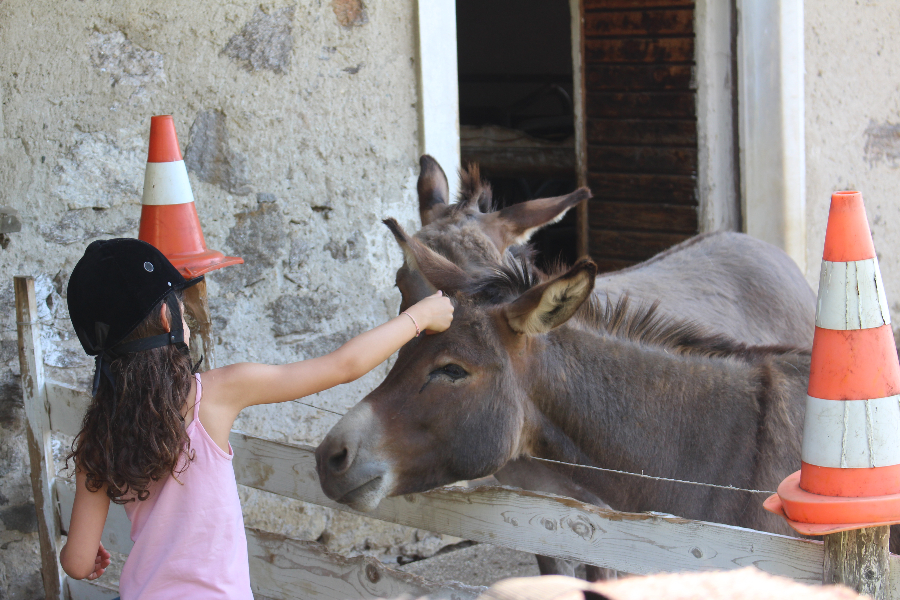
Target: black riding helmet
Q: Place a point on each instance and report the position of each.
(113, 288)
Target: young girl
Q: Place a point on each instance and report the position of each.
(155, 437)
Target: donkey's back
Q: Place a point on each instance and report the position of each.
(731, 283)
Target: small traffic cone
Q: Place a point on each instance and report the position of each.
(169, 218)
(849, 475)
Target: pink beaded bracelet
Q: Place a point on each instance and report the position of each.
(414, 322)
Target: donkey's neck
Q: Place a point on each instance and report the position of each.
(619, 405)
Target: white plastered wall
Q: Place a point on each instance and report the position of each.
(853, 124)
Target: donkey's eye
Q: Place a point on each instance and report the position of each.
(453, 372)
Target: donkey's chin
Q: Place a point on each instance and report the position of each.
(369, 495)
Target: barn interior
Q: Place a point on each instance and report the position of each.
(517, 118)
(516, 106)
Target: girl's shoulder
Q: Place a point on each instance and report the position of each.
(216, 410)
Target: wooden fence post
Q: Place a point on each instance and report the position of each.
(37, 415)
(859, 560)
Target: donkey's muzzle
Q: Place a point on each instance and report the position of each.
(348, 470)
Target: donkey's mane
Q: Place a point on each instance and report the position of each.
(624, 319)
(473, 191)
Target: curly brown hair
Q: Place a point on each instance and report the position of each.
(134, 435)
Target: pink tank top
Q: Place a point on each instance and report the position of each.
(189, 539)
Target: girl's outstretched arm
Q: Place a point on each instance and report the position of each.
(84, 556)
(247, 384)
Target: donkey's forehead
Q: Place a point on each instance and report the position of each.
(473, 333)
(462, 239)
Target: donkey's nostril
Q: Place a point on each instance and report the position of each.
(338, 461)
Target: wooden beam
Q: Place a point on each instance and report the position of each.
(40, 452)
(859, 559)
(497, 161)
(282, 568)
(582, 220)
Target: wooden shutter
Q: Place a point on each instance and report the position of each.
(640, 127)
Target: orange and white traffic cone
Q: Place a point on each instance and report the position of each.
(169, 218)
(849, 476)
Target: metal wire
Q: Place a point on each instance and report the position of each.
(318, 408)
(712, 485)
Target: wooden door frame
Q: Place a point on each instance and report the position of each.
(582, 221)
(772, 123)
(438, 85)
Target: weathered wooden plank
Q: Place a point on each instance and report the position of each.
(643, 23)
(576, 15)
(859, 559)
(643, 217)
(637, 132)
(67, 405)
(285, 569)
(89, 590)
(632, 245)
(666, 189)
(618, 77)
(639, 50)
(643, 159)
(634, 4)
(38, 434)
(544, 524)
(513, 162)
(642, 105)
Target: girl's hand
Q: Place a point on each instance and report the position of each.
(434, 313)
(100, 563)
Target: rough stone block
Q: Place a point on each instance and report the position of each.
(265, 42)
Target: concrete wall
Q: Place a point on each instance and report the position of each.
(299, 121)
(853, 124)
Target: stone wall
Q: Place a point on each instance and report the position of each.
(853, 125)
(299, 128)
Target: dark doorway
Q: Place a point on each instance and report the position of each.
(516, 106)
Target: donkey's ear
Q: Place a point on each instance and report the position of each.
(551, 304)
(421, 261)
(434, 191)
(515, 224)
